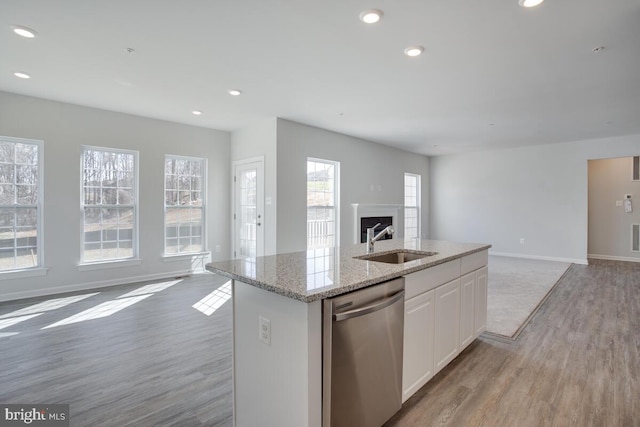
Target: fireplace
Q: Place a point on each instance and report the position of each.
(370, 221)
(386, 214)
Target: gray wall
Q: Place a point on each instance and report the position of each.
(64, 128)
(610, 225)
(538, 193)
(362, 164)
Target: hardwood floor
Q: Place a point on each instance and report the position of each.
(577, 363)
(158, 362)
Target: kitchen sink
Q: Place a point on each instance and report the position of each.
(397, 257)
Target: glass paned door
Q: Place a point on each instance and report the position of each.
(248, 221)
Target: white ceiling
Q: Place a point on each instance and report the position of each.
(493, 74)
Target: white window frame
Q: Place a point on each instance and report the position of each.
(111, 262)
(38, 269)
(336, 199)
(203, 190)
(417, 207)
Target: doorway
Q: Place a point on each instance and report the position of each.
(248, 208)
(614, 211)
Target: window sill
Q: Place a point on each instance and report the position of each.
(184, 257)
(108, 264)
(27, 272)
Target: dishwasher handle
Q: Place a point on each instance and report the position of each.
(369, 308)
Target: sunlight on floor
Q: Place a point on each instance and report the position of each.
(10, 322)
(150, 289)
(209, 304)
(48, 305)
(101, 310)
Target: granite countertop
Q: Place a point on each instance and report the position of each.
(321, 273)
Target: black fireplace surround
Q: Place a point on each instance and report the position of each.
(370, 221)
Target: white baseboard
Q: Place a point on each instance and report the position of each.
(541, 258)
(613, 258)
(91, 285)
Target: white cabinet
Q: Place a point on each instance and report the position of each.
(418, 354)
(467, 309)
(447, 341)
(480, 309)
(445, 310)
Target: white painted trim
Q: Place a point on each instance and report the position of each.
(613, 258)
(541, 258)
(20, 274)
(90, 285)
(117, 263)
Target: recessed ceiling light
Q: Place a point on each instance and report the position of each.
(22, 75)
(130, 50)
(371, 16)
(234, 92)
(529, 3)
(24, 31)
(414, 51)
(196, 112)
(597, 49)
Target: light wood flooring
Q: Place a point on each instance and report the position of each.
(577, 363)
(158, 362)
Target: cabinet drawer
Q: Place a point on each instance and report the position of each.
(430, 278)
(474, 261)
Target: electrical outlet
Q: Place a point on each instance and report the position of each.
(217, 248)
(264, 330)
(618, 202)
(522, 240)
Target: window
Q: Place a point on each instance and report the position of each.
(184, 204)
(411, 206)
(20, 203)
(322, 205)
(109, 204)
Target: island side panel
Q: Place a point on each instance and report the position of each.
(278, 384)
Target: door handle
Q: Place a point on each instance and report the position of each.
(369, 308)
(258, 224)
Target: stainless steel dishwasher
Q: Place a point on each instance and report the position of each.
(362, 356)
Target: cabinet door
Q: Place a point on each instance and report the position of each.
(419, 328)
(467, 306)
(480, 322)
(447, 336)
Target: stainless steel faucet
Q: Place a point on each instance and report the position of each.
(372, 237)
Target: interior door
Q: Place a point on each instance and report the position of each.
(248, 221)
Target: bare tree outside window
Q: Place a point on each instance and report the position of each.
(109, 204)
(20, 203)
(184, 204)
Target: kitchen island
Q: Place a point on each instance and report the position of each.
(277, 306)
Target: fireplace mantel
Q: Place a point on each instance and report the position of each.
(374, 209)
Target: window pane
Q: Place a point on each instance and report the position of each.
(7, 194)
(321, 203)
(108, 178)
(411, 206)
(7, 173)
(26, 154)
(19, 224)
(7, 259)
(26, 194)
(184, 202)
(26, 257)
